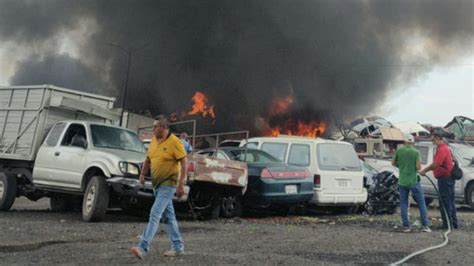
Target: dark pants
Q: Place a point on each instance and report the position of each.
(446, 189)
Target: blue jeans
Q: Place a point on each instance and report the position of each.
(420, 200)
(446, 189)
(163, 206)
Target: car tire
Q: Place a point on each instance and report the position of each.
(96, 200)
(204, 202)
(60, 203)
(470, 195)
(8, 189)
(349, 210)
(428, 201)
(230, 205)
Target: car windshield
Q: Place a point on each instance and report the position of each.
(336, 157)
(116, 138)
(253, 156)
(466, 153)
(368, 168)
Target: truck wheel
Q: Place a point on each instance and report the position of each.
(7, 191)
(470, 195)
(96, 200)
(60, 203)
(230, 204)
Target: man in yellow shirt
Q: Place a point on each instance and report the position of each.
(167, 158)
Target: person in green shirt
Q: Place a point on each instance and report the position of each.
(407, 160)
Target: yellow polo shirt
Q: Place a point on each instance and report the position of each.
(164, 159)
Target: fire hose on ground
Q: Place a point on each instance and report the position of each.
(446, 240)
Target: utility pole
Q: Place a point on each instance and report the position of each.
(128, 52)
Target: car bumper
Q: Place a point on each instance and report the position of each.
(132, 187)
(323, 198)
(277, 192)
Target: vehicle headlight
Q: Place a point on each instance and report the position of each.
(129, 168)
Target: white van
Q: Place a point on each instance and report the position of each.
(334, 165)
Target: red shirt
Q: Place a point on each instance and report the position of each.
(444, 160)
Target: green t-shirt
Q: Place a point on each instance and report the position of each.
(406, 158)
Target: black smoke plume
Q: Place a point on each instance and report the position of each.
(340, 58)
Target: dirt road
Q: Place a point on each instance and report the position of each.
(31, 234)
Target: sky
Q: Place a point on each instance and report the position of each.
(405, 60)
(434, 98)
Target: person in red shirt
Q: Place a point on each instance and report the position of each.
(442, 166)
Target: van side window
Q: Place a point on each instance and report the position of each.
(55, 134)
(277, 150)
(360, 147)
(424, 153)
(299, 155)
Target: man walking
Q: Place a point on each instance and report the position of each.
(407, 160)
(167, 158)
(442, 166)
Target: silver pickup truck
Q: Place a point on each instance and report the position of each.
(463, 153)
(61, 144)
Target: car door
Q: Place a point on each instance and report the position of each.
(46, 163)
(58, 163)
(71, 156)
(339, 169)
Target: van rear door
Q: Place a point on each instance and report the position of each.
(339, 168)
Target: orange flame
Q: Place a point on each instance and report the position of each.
(200, 106)
(300, 128)
(280, 105)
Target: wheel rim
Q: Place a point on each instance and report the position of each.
(229, 204)
(2, 189)
(90, 199)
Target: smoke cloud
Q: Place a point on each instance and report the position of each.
(338, 59)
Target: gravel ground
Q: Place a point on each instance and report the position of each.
(31, 234)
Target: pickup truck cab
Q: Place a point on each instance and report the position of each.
(464, 188)
(80, 158)
(463, 153)
(334, 165)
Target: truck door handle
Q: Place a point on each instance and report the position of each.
(57, 153)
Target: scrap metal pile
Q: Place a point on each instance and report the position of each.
(383, 195)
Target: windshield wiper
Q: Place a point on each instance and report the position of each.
(118, 148)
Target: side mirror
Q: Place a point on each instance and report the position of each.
(79, 141)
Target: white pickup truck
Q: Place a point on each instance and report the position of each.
(464, 154)
(60, 143)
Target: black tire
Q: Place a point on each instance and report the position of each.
(96, 200)
(8, 191)
(283, 210)
(204, 202)
(60, 203)
(428, 201)
(230, 204)
(470, 195)
(351, 209)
